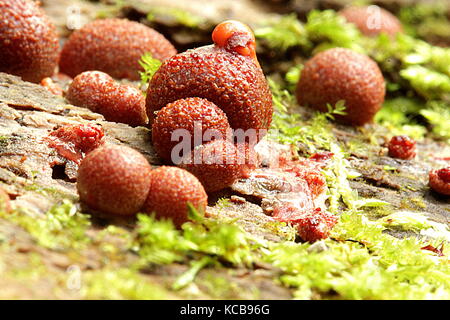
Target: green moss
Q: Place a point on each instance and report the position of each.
(150, 66)
(407, 221)
(177, 16)
(426, 20)
(223, 203)
(220, 287)
(283, 33)
(438, 115)
(120, 284)
(62, 227)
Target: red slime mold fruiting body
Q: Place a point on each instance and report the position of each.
(172, 189)
(227, 76)
(219, 163)
(28, 41)
(99, 92)
(184, 114)
(73, 142)
(341, 74)
(114, 180)
(113, 46)
(402, 147)
(311, 225)
(439, 180)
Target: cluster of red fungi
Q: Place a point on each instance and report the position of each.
(220, 86)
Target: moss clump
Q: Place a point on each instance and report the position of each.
(120, 284)
(62, 227)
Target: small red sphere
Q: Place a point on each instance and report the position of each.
(342, 74)
(114, 179)
(234, 36)
(171, 190)
(114, 46)
(219, 163)
(29, 45)
(372, 20)
(439, 180)
(196, 117)
(402, 147)
(100, 93)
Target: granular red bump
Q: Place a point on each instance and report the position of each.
(179, 117)
(73, 142)
(232, 81)
(114, 179)
(100, 93)
(29, 45)
(439, 180)
(372, 20)
(312, 225)
(219, 163)
(402, 147)
(342, 74)
(171, 190)
(114, 46)
(444, 174)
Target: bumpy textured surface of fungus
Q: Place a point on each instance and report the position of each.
(440, 180)
(342, 74)
(195, 115)
(226, 74)
(100, 93)
(219, 163)
(114, 180)
(114, 46)
(171, 190)
(402, 147)
(28, 41)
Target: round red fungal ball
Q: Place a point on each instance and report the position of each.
(232, 81)
(172, 189)
(439, 180)
(184, 114)
(28, 41)
(100, 93)
(218, 164)
(342, 74)
(402, 147)
(372, 20)
(114, 46)
(114, 180)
